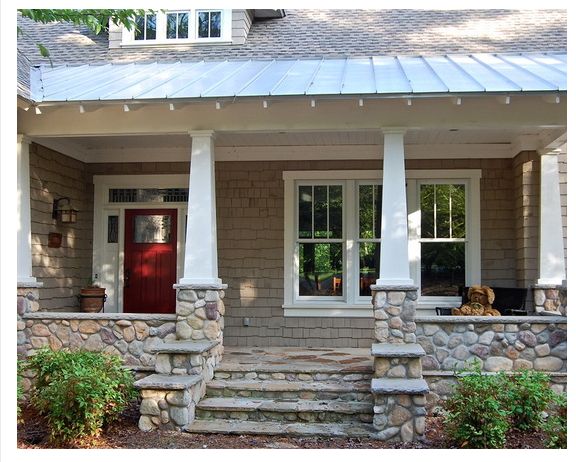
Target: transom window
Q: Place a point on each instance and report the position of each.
(180, 26)
(333, 238)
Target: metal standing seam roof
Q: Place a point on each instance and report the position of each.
(376, 75)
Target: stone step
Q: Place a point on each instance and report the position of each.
(305, 373)
(400, 386)
(183, 347)
(352, 429)
(167, 382)
(253, 409)
(348, 391)
(397, 350)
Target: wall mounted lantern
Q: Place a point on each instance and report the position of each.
(64, 214)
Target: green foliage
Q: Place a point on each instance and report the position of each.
(556, 426)
(485, 406)
(95, 20)
(79, 391)
(475, 417)
(526, 396)
(19, 388)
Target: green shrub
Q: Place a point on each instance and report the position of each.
(475, 417)
(79, 391)
(556, 426)
(526, 396)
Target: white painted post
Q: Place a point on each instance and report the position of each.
(201, 256)
(24, 238)
(551, 263)
(394, 261)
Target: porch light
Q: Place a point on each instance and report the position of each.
(64, 214)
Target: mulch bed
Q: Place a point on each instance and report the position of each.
(124, 434)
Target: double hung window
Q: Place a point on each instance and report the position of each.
(333, 238)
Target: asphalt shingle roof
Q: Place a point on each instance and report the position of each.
(321, 33)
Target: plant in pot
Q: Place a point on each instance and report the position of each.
(92, 298)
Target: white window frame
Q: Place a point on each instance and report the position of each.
(161, 22)
(352, 304)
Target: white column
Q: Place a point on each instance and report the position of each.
(394, 262)
(201, 256)
(24, 239)
(551, 264)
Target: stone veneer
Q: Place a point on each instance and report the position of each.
(398, 387)
(506, 343)
(550, 300)
(183, 367)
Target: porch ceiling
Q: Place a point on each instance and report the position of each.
(420, 143)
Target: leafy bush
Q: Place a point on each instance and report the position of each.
(556, 426)
(527, 395)
(475, 417)
(79, 391)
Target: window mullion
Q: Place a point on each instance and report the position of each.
(350, 231)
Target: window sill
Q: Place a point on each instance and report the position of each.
(332, 310)
(171, 44)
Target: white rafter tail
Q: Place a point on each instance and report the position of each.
(175, 106)
(408, 101)
(83, 108)
(312, 103)
(219, 105)
(265, 104)
(507, 99)
(552, 99)
(127, 107)
(37, 110)
(361, 102)
(457, 101)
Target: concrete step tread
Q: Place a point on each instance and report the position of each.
(167, 382)
(183, 347)
(286, 386)
(397, 350)
(355, 430)
(390, 386)
(283, 405)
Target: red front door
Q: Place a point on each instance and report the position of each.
(150, 261)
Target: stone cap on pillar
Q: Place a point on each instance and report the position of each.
(399, 287)
(397, 350)
(206, 286)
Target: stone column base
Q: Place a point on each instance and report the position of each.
(400, 417)
(550, 300)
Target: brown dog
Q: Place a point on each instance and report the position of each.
(480, 304)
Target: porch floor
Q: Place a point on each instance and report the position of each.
(296, 359)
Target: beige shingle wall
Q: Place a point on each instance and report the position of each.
(62, 270)
(251, 245)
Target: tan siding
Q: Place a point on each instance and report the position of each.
(62, 270)
(241, 22)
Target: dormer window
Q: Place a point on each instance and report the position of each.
(180, 26)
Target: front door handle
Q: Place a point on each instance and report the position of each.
(127, 274)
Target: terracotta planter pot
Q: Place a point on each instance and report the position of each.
(92, 299)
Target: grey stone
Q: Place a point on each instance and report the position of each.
(470, 338)
(548, 364)
(407, 432)
(387, 434)
(557, 337)
(427, 345)
(496, 364)
(430, 329)
(187, 295)
(461, 352)
(396, 298)
(179, 415)
(388, 350)
(94, 343)
(183, 330)
(486, 338)
(136, 347)
(527, 338)
(440, 338)
(108, 336)
(149, 407)
(430, 363)
(542, 350)
(179, 398)
(482, 351)
(560, 351)
(163, 365)
(145, 424)
(454, 341)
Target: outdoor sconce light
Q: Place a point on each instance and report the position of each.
(65, 214)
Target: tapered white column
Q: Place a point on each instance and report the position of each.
(551, 263)
(24, 235)
(394, 263)
(201, 256)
